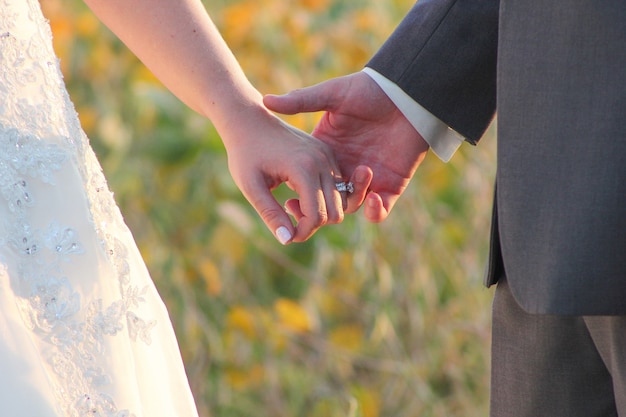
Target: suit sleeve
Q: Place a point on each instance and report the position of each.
(443, 55)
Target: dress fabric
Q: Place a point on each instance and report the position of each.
(83, 331)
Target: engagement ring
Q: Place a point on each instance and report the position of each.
(345, 186)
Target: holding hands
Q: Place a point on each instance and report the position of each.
(368, 135)
(263, 152)
(362, 135)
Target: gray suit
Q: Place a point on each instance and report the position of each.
(556, 73)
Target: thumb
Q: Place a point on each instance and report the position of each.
(318, 97)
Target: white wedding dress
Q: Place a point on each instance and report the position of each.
(83, 331)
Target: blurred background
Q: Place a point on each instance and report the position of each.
(362, 320)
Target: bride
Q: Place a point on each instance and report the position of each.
(83, 330)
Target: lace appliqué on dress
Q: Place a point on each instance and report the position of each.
(72, 334)
(39, 135)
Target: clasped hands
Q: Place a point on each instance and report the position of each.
(363, 138)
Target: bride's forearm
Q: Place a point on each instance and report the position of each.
(179, 43)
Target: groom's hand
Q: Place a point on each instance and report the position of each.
(363, 127)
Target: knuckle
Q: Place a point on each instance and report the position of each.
(336, 219)
(320, 218)
(270, 215)
(313, 160)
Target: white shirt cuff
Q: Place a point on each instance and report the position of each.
(442, 139)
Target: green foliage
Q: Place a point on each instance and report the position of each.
(362, 320)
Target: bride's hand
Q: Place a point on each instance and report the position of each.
(263, 152)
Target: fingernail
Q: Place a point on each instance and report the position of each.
(283, 235)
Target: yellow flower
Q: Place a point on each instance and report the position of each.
(239, 318)
(292, 316)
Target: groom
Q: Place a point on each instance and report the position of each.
(556, 74)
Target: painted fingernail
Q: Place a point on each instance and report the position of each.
(283, 235)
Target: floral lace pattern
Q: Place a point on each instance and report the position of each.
(39, 137)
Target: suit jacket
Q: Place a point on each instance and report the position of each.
(556, 73)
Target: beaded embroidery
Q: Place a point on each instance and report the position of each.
(39, 136)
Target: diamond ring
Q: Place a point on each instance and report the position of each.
(345, 186)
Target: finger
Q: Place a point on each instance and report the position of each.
(361, 180)
(318, 97)
(272, 214)
(314, 215)
(315, 178)
(374, 209)
(336, 198)
(335, 201)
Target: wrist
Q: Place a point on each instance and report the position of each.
(242, 121)
(231, 107)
